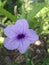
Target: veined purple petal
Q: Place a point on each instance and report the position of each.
(32, 36)
(22, 25)
(11, 44)
(10, 31)
(24, 46)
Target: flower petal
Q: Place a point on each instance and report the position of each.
(10, 31)
(11, 44)
(22, 25)
(32, 36)
(24, 46)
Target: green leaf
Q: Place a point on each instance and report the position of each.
(48, 41)
(48, 50)
(28, 60)
(2, 4)
(35, 10)
(46, 61)
(7, 14)
(1, 40)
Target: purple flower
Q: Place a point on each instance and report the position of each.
(19, 36)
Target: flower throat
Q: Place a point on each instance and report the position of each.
(20, 36)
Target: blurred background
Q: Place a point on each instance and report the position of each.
(37, 14)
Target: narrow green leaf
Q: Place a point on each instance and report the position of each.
(7, 14)
(2, 4)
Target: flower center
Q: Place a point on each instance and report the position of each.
(20, 36)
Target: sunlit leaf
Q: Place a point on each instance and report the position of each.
(1, 40)
(35, 10)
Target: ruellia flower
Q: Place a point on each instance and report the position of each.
(19, 36)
